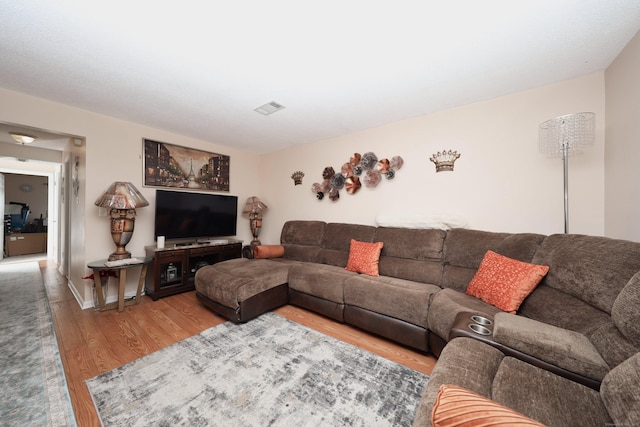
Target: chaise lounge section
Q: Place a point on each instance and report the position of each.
(577, 324)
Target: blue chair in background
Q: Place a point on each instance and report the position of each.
(18, 219)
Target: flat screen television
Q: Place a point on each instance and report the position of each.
(182, 215)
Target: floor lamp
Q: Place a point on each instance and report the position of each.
(563, 137)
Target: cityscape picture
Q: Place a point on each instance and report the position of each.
(168, 165)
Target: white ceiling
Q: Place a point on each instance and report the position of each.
(338, 66)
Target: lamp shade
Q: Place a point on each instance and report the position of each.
(121, 195)
(254, 205)
(563, 137)
(567, 135)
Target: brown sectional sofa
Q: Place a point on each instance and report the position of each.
(578, 328)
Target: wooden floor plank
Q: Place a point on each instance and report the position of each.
(93, 342)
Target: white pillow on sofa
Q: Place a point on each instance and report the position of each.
(441, 221)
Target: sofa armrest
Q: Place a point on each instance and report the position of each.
(557, 346)
(247, 252)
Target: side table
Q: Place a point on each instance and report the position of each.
(101, 283)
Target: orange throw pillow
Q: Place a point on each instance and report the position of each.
(459, 407)
(268, 251)
(364, 257)
(505, 282)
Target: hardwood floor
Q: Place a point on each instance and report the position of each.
(94, 342)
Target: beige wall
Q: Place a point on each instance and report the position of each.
(501, 182)
(37, 199)
(113, 153)
(623, 144)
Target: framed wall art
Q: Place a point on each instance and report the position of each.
(173, 166)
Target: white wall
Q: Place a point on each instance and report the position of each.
(501, 182)
(623, 144)
(113, 153)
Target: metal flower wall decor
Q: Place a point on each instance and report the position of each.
(359, 169)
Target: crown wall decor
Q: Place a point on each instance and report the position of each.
(444, 160)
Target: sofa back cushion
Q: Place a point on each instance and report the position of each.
(618, 338)
(302, 239)
(590, 268)
(560, 309)
(626, 311)
(411, 254)
(464, 250)
(620, 392)
(336, 242)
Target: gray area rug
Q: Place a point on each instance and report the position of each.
(33, 389)
(267, 372)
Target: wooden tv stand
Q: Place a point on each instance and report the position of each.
(174, 267)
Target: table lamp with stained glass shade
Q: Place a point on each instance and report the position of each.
(254, 207)
(122, 199)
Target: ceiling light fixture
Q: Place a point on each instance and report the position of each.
(269, 108)
(22, 138)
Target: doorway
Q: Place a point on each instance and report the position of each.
(37, 168)
(30, 214)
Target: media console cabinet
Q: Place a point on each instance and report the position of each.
(174, 267)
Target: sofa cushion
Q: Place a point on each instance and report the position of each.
(551, 306)
(625, 312)
(534, 392)
(466, 362)
(546, 397)
(560, 347)
(397, 298)
(306, 233)
(302, 239)
(620, 392)
(320, 280)
(619, 337)
(445, 306)
(590, 268)
(505, 282)
(456, 406)
(364, 257)
(611, 344)
(465, 249)
(233, 281)
(411, 254)
(337, 242)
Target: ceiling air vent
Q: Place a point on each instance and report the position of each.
(269, 108)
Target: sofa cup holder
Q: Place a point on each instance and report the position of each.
(479, 329)
(481, 320)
